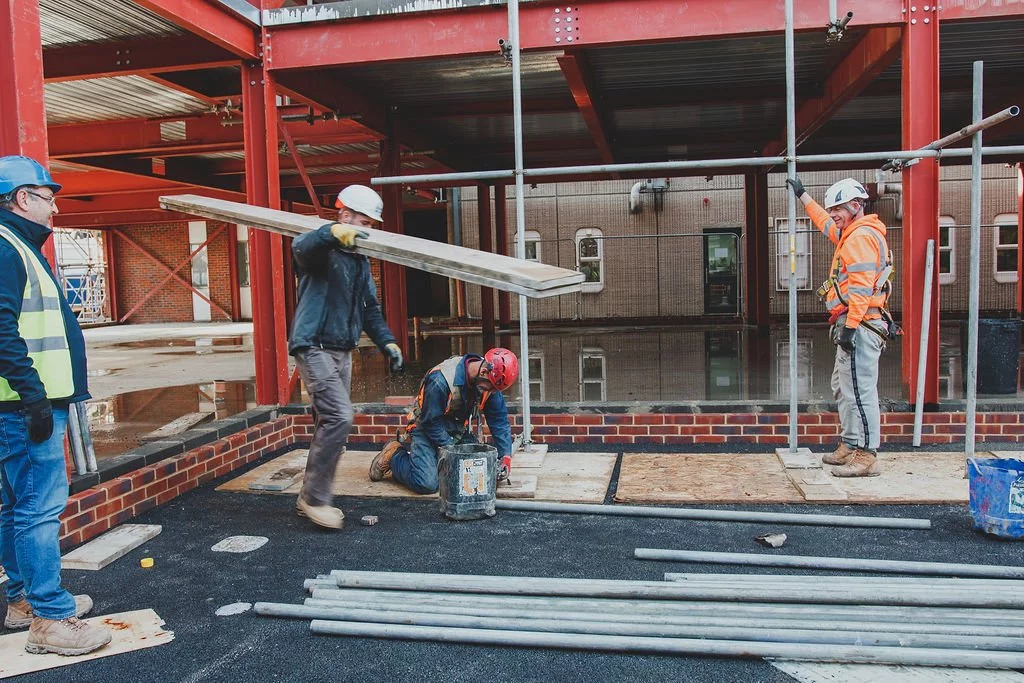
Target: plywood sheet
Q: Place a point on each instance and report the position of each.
(116, 543)
(704, 478)
(820, 672)
(566, 477)
(529, 278)
(928, 477)
(518, 486)
(131, 630)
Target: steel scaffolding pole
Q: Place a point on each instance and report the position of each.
(471, 177)
(791, 209)
(517, 124)
(975, 268)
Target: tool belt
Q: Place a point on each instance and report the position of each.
(884, 326)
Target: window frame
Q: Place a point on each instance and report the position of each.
(950, 277)
(529, 236)
(1003, 220)
(588, 352)
(804, 230)
(597, 234)
(538, 378)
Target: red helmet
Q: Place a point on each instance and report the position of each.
(504, 368)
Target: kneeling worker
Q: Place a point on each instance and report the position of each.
(451, 393)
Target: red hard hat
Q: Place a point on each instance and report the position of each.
(504, 368)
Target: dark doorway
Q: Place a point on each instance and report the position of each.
(721, 270)
(427, 293)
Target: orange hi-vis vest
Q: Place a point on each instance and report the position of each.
(456, 402)
(858, 283)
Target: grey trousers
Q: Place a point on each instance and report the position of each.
(327, 375)
(855, 388)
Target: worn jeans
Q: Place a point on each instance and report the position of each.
(33, 493)
(327, 374)
(855, 387)
(415, 466)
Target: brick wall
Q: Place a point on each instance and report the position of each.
(137, 274)
(131, 490)
(95, 510)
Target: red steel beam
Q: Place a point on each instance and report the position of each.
(578, 78)
(202, 134)
(396, 308)
(870, 56)
(297, 160)
(474, 30)
(1020, 238)
(920, 194)
(110, 271)
(133, 56)
(22, 104)
(967, 10)
(211, 21)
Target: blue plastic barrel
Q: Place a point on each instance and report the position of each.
(467, 476)
(997, 496)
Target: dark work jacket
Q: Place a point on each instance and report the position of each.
(337, 297)
(15, 365)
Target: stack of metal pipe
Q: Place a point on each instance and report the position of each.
(80, 439)
(976, 623)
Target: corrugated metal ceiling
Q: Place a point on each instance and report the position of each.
(121, 97)
(64, 22)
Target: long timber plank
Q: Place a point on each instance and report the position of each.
(528, 278)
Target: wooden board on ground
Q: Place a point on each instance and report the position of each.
(183, 423)
(565, 477)
(821, 672)
(131, 630)
(280, 480)
(529, 278)
(928, 477)
(816, 485)
(704, 478)
(528, 460)
(520, 486)
(116, 543)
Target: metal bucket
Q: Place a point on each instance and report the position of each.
(997, 496)
(467, 476)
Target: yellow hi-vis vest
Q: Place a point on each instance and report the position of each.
(41, 325)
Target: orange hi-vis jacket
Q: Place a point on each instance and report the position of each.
(860, 269)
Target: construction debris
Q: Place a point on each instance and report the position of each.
(771, 540)
(368, 520)
(529, 278)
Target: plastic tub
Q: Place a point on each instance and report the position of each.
(997, 496)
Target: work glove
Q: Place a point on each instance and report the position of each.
(796, 186)
(347, 234)
(40, 420)
(394, 352)
(847, 338)
(505, 468)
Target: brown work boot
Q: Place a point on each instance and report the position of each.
(20, 615)
(863, 463)
(380, 467)
(321, 515)
(840, 456)
(68, 637)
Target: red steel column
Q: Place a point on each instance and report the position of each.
(22, 105)
(110, 274)
(1020, 238)
(262, 188)
(501, 247)
(396, 305)
(483, 206)
(920, 192)
(757, 285)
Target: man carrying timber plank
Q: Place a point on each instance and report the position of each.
(855, 294)
(337, 303)
(452, 392)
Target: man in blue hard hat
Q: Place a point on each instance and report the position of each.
(42, 371)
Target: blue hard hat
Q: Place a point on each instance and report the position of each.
(18, 171)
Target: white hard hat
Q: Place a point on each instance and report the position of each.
(361, 199)
(844, 191)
